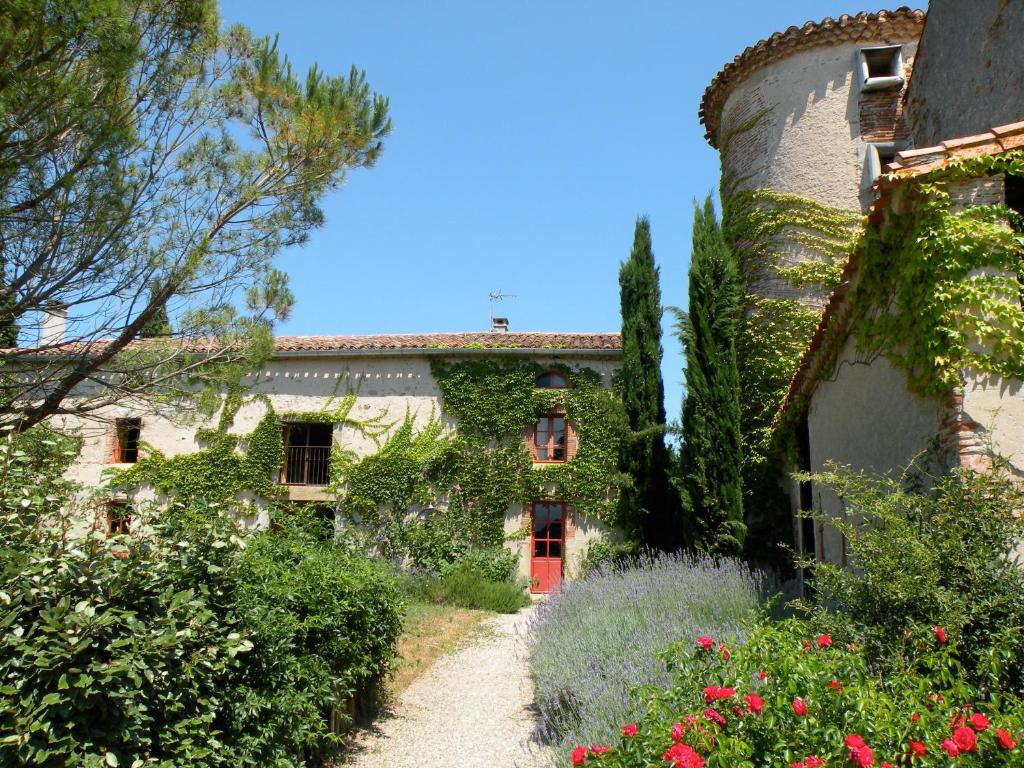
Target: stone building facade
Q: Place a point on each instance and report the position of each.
(391, 378)
(952, 92)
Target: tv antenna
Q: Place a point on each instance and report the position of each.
(498, 323)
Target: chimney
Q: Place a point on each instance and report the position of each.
(55, 320)
(499, 324)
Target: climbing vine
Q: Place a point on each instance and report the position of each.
(228, 466)
(790, 250)
(939, 287)
(476, 471)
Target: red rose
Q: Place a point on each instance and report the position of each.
(629, 729)
(683, 756)
(705, 642)
(853, 741)
(813, 761)
(979, 722)
(762, 675)
(1005, 739)
(862, 757)
(915, 717)
(598, 749)
(917, 748)
(754, 703)
(940, 633)
(824, 641)
(965, 739)
(835, 685)
(951, 748)
(799, 707)
(887, 765)
(579, 756)
(677, 732)
(714, 716)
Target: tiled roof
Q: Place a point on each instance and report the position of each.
(610, 342)
(480, 340)
(901, 24)
(909, 164)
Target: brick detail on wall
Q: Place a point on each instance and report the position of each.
(960, 435)
(744, 153)
(881, 116)
(983, 190)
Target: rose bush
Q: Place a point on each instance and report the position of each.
(789, 696)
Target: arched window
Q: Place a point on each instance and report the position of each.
(552, 380)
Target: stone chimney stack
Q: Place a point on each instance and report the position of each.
(55, 321)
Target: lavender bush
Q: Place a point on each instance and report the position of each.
(598, 638)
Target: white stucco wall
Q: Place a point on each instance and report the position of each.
(865, 417)
(996, 405)
(809, 142)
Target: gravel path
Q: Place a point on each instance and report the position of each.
(471, 709)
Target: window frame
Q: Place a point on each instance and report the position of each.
(549, 445)
(561, 376)
(310, 468)
(878, 83)
(119, 517)
(873, 165)
(123, 426)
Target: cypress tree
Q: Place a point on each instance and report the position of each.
(711, 463)
(650, 506)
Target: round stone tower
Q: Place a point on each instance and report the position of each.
(800, 111)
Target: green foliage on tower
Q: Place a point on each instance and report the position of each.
(711, 463)
(650, 506)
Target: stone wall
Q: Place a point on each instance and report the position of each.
(386, 386)
(970, 71)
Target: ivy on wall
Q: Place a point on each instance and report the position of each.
(228, 466)
(475, 470)
(482, 467)
(939, 287)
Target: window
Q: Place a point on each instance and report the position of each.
(878, 155)
(549, 438)
(126, 441)
(881, 67)
(552, 380)
(307, 453)
(119, 518)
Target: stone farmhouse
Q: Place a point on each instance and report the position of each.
(384, 381)
(915, 123)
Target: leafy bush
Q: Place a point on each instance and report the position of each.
(924, 558)
(598, 638)
(794, 696)
(602, 552)
(497, 564)
(465, 588)
(193, 644)
(323, 623)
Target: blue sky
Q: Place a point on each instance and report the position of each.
(528, 136)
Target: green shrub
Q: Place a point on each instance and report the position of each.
(495, 564)
(610, 554)
(323, 623)
(191, 644)
(944, 556)
(465, 588)
(114, 650)
(792, 696)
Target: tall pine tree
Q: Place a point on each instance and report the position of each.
(711, 462)
(650, 507)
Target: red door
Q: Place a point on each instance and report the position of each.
(546, 551)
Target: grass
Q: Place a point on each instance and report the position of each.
(428, 633)
(467, 589)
